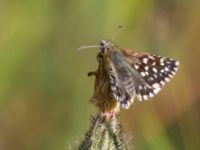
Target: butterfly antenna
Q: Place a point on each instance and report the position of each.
(116, 31)
(90, 46)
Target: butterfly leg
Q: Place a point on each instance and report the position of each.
(91, 73)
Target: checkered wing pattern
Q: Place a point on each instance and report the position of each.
(140, 74)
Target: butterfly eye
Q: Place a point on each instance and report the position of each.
(105, 46)
(102, 43)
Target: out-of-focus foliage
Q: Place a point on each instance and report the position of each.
(44, 90)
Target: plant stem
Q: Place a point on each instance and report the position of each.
(105, 133)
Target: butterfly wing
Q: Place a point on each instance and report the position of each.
(122, 83)
(142, 74)
(153, 72)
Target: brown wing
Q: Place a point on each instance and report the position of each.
(153, 72)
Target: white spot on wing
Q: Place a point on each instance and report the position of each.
(155, 70)
(136, 66)
(156, 90)
(145, 97)
(145, 60)
(162, 82)
(167, 79)
(170, 75)
(151, 57)
(173, 72)
(166, 69)
(162, 70)
(175, 68)
(162, 64)
(161, 60)
(146, 73)
(143, 74)
(150, 94)
(156, 85)
(177, 63)
(146, 68)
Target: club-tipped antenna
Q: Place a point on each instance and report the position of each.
(87, 46)
(116, 31)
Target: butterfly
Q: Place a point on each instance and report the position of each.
(124, 74)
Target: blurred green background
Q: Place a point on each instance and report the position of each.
(44, 88)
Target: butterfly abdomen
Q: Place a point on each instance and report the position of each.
(102, 96)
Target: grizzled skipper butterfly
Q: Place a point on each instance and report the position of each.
(124, 74)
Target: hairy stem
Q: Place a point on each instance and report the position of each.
(105, 133)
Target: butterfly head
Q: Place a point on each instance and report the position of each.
(105, 46)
